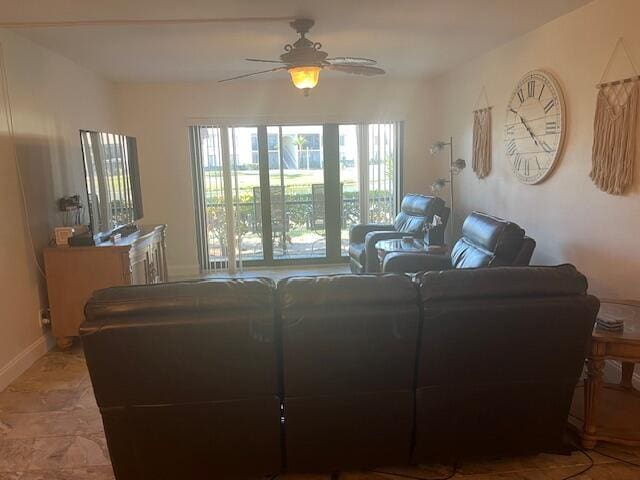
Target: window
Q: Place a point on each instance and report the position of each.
(313, 197)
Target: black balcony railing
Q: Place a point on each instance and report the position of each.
(301, 210)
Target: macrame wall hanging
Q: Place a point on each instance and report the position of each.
(481, 154)
(615, 129)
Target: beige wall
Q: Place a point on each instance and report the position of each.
(158, 114)
(51, 98)
(569, 217)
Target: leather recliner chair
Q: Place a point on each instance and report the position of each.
(486, 241)
(416, 211)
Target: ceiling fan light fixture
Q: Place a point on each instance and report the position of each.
(305, 77)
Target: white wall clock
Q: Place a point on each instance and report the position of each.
(535, 127)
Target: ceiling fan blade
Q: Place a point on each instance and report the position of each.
(356, 69)
(351, 60)
(349, 64)
(252, 74)
(261, 60)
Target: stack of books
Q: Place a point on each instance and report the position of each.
(609, 323)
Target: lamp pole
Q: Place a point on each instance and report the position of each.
(451, 188)
(440, 183)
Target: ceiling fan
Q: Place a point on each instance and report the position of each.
(304, 60)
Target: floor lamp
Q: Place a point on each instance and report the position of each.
(455, 167)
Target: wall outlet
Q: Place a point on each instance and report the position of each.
(44, 317)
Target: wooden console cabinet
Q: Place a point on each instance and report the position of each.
(74, 273)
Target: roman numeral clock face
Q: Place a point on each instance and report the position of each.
(534, 127)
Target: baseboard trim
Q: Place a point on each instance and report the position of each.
(21, 362)
(178, 272)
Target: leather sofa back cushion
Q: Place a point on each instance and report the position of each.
(348, 333)
(415, 210)
(168, 338)
(486, 241)
(503, 282)
(191, 296)
(525, 323)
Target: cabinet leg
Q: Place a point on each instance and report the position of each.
(627, 375)
(592, 391)
(64, 343)
(588, 443)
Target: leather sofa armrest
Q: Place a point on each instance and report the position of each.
(358, 232)
(526, 252)
(399, 262)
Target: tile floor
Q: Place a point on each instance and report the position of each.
(50, 429)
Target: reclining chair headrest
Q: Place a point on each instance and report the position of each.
(421, 205)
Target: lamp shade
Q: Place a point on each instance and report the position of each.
(437, 147)
(438, 185)
(459, 165)
(305, 77)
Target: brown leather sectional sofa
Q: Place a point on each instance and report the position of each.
(224, 378)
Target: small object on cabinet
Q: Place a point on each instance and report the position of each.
(62, 235)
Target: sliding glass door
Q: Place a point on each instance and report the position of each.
(229, 179)
(296, 178)
(369, 175)
(289, 193)
(350, 182)
(381, 160)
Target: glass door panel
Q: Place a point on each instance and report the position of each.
(381, 176)
(213, 189)
(245, 186)
(349, 182)
(296, 179)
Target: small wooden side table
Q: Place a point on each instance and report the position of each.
(603, 411)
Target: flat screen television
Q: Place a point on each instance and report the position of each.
(113, 182)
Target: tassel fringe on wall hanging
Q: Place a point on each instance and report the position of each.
(615, 130)
(481, 154)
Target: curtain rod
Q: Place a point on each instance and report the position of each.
(143, 22)
(618, 82)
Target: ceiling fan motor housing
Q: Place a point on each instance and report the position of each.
(307, 55)
(303, 52)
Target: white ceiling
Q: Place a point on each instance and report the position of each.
(409, 38)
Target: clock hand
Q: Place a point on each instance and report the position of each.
(540, 143)
(525, 125)
(534, 138)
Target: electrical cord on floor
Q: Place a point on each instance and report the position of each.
(585, 470)
(616, 458)
(454, 470)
